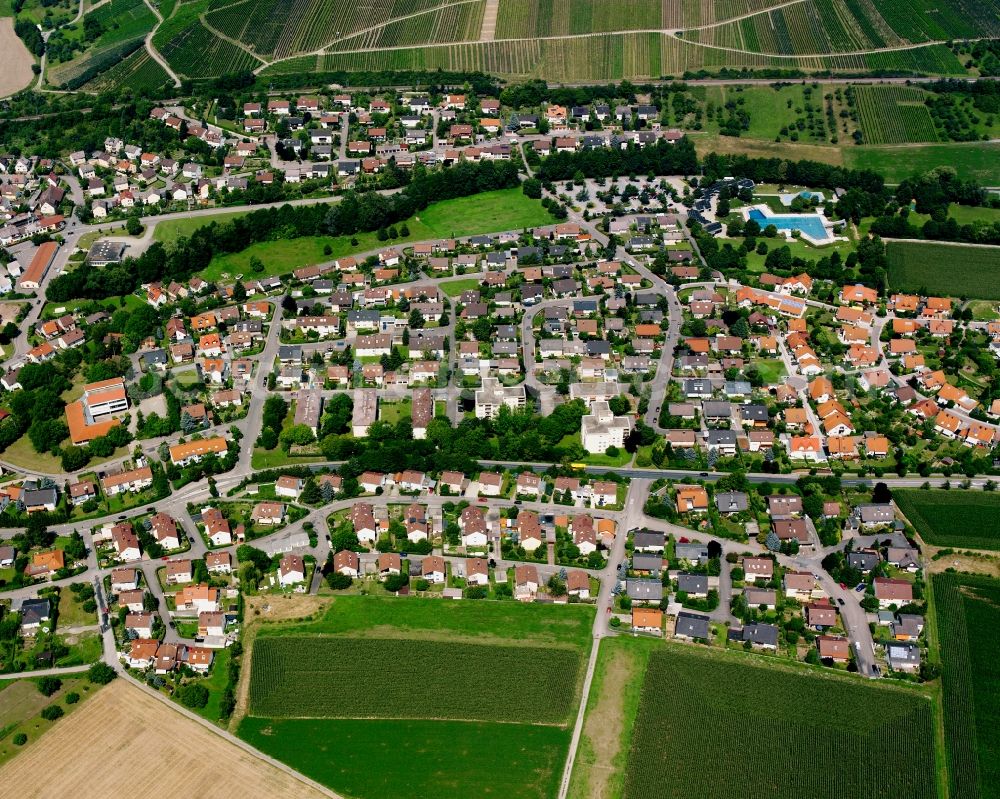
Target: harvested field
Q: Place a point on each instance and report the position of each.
(15, 60)
(138, 729)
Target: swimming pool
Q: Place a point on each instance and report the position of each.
(810, 224)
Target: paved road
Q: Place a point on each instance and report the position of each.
(56, 672)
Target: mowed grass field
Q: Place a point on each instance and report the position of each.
(979, 161)
(967, 608)
(421, 697)
(490, 212)
(967, 519)
(953, 270)
(376, 759)
(717, 726)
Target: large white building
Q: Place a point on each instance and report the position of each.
(493, 396)
(601, 429)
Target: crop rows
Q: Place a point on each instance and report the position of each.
(257, 24)
(952, 519)
(75, 73)
(894, 115)
(197, 52)
(138, 71)
(309, 25)
(971, 272)
(724, 727)
(966, 607)
(451, 24)
(610, 56)
(327, 677)
(923, 20)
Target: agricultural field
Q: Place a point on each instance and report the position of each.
(137, 72)
(446, 701)
(966, 607)
(964, 519)
(972, 272)
(718, 727)
(294, 676)
(387, 759)
(140, 728)
(894, 115)
(979, 161)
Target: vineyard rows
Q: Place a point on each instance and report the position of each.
(893, 115)
(74, 73)
(330, 677)
(813, 27)
(138, 71)
(197, 52)
(451, 24)
(709, 726)
(971, 702)
(923, 20)
(607, 57)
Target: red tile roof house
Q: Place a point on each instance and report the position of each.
(477, 571)
(140, 623)
(389, 563)
(291, 570)
(347, 562)
(891, 592)
(178, 572)
(525, 582)
(124, 580)
(578, 584)
(432, 569)
(758, 569)
(211, 623)
(834, 647)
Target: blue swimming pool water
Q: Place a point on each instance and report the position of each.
(809, 224)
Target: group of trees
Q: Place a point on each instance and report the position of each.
(513, 435)
(661, 158)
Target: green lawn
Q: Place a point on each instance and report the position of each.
(215, 682)
(984, 311)
(453, 288)
(965, 214)
(442, 759)
(978, 161)
(767, 107)
(490, 212)
(480, 213)
(71, 612)
(169, 230)
(771, 369)
(22, 454)
(88, 649)
(273, 458)
(476, 621)
(972, 271)
(798, 249)
(953, 518)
